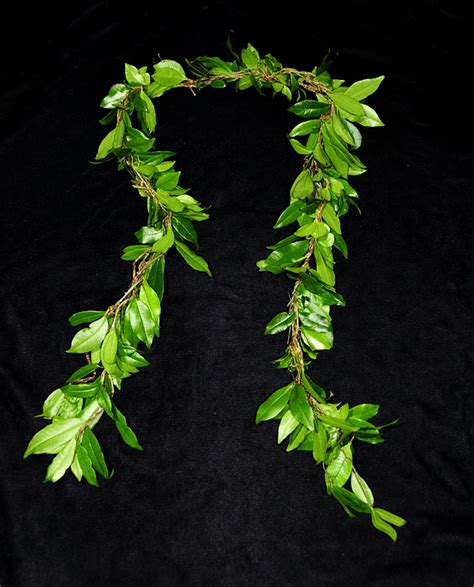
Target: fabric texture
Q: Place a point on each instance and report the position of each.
(212, 500)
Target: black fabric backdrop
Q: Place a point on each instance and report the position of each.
(212, 500)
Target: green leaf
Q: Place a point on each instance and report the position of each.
(337, 423)
(309, 109)
(116, 96)
(168, 73)
(61, 462)
(339, 468)
(290, 214)
(370, 117)
(168, 180)
(85, 317)
(89, 339)
(324, 270)
(109, 347)
(391, 518)
(92, 446)
(303, 186)
(82, 372)
(53, 437)
(163, 244)
(364, 411)
(317, 341)
(133, 252)
(319, 442)
(76, 468)
(274, 404)
(149, 297)
(284, 257)
(185, 229)
(307, 229)
(346, 497)
(86, 465)
(337, 157)
(364, 87)
(347, 103)
(52, 404)
(361, 489)
(279, 323)
(287, 424)
(331, 218)
(299, 148)
(250, 56)
(193, 260)
(127, 434)
(142, 321)
(328, 297)
(148, 234)
(355, 133)
(155, 276)
(300, 407)
(381, 525)
(104, 401)
(305, 128)
(297, 438)
(82, 390)
(112, 140)
(135, 77)
(148, 112)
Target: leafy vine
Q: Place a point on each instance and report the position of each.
(327, 138)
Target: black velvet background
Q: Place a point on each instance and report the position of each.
(212, 500)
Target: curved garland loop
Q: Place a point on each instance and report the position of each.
(319, 196)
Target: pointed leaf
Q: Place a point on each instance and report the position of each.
(300, 407)
(89, 339)
(279, 323)
(61, 462)
(361, 489)
(53, 437)
(193, 260)
(274, 404)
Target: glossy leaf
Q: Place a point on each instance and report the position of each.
(319, 443)
(53, 437)
(90, 338)
(337, 423)
(85, 317)
(274, 404)
(163, 244)
(364, 411)
(391, 518)
(290, 214)
(193, 260)
(347, 103)
(61, 462)
(92, 446)
(383, 526)
(185, 229)
(364, 88)
(305, 128)
(127, 434)
(303, 186)
(309, 109)
(339, 468)
(287, 424)
(279, 323)
(300, 407)
(287, 256)
(361, 489)
(86, 465)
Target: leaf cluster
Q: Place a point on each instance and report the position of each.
(327, 135)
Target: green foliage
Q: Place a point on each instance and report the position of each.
(319, 196)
